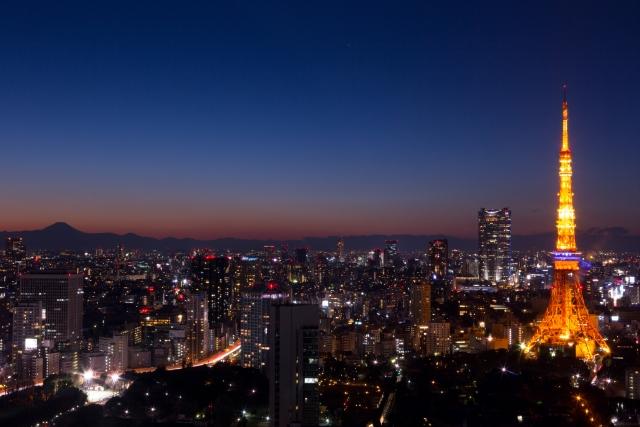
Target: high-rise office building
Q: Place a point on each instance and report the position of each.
(300, 270)
(27, 326)
(390, 252)
(197, 326)
(456, 260)
(15, 250)
(494, 238)
(198, 272)
(420, 306)
(116, 350)
(435, 338)
(293, 365)
(60, 294)
(255, 323)
(340, 250)
(421, 302)
(210, 274)
(219, 290)
(51, 363)
(245, 273)
(438, 254)
(29, 367)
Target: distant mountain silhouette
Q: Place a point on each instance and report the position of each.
(61, 236)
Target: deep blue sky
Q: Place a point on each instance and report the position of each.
(286, 119)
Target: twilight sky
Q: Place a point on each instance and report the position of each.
(289, 119)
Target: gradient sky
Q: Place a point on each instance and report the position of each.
(290, 119)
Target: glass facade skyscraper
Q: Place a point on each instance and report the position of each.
(494, 244)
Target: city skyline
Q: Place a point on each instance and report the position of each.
(317, 214)
(321, 126)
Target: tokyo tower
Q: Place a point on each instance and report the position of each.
(566, 322)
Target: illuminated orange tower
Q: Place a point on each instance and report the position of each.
(566, 321)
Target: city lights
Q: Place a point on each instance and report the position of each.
(248, 214)
(87, 375)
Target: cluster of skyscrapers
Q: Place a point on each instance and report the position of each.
(277, 308)
(278, 334)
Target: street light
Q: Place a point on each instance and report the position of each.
(87, 375)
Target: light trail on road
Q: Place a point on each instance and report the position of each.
(209, 360)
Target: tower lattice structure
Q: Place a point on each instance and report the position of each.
(566, 321)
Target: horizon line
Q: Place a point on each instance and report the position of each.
(620, 231)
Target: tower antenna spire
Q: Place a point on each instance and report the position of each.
(565, 119)
(566, 322)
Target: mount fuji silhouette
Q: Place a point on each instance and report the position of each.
(62, 236)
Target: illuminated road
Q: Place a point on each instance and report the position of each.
(210, 360)
(5, 391)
